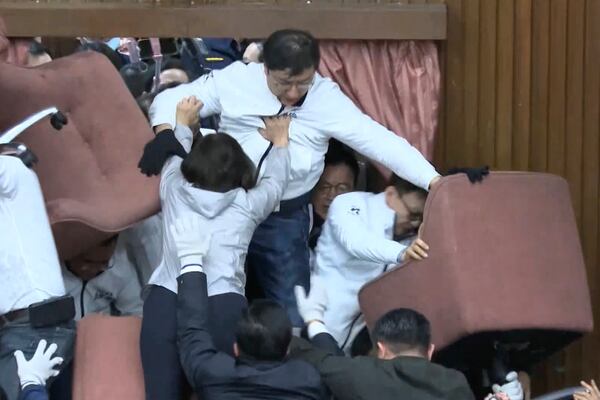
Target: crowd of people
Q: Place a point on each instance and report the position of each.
(247, 280)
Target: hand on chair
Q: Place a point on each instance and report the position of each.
(416, 251)
(512, 388)
(591, 392)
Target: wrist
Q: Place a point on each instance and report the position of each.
(193, 259)
(310, 316)
(316, 327)
(30, 380)
(281, 142)
(183, 122)
(313, 321)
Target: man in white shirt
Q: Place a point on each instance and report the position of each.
(363, 235)
(287, 83)
(339, 176)
(31, 303)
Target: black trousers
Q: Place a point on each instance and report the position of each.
(163, 376)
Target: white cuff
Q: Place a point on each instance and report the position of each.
(315, 328)
(191, 268)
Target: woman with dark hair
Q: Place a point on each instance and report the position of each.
(216, 181)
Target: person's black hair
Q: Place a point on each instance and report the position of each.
(340, 154)
(403, 329)
(103, 48)
(292, 50)
(264, 331)
(218, 163)
(361, 345)
(37, 49)
(403, 186)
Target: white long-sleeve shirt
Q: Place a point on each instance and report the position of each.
(356, 245)
(230, 218)
(239, 93)
(29, 266)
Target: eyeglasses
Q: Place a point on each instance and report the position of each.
(286, 85)
(326, 188)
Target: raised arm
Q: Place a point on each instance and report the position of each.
(197, 352)
(162, 110)
(265, 196)
(337, 371)
(168, 143)
(345, 122)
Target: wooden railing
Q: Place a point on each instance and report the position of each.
(226, 18)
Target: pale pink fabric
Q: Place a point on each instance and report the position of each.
(13, 50)
(397, 83)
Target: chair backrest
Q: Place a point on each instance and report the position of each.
(505, 256)
(88, 170)
(107, 363)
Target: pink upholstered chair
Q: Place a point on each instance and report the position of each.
(505, 270)
(107, 362)
(88, 171)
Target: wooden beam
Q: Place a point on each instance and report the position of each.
(331, 21)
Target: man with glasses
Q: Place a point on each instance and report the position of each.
(286, 83)
(365, 234)
(339, 176)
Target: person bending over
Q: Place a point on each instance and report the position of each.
(402, 368)
(364, 234)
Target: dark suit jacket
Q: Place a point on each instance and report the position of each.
(216, 375)
(406, 378)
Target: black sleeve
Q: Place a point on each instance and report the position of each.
(326, 342)
(339, 373)
(199, 357)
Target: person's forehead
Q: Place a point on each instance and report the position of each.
(337, 173)
(302, 76)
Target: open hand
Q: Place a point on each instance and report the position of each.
(591, 392)
(276, 130)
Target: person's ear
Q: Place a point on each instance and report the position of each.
(391, 196)
(236, 349)
(381, 350)
(430, 351)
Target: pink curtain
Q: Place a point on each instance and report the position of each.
(13, 50)
(397, 83)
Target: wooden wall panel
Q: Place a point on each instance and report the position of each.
(522, 92)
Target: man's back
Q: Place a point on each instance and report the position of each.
(251, 379)
(403, 377)
(216, 375)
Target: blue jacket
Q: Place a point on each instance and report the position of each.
(34, 392)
